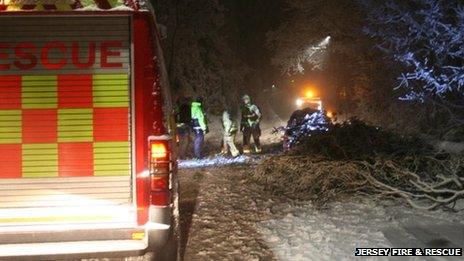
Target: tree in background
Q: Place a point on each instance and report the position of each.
(298, 42)
(216, 48)
(426, 37)
(357, 81)
(372, 43)
(200, 58)
(251, 20)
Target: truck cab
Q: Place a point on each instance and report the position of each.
(87, 164)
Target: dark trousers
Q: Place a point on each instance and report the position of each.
(184, 141)
(198, 144)
(249, 131)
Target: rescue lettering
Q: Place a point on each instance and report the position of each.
(61, 47)
(23, 52)
(107, 52)
(57, 55)
(90, 61)
(4, 56)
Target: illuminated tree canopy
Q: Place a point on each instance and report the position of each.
(426, 36)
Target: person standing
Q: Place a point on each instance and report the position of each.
(229, 132)
(183, 121)
(251, 116)
(199, 125)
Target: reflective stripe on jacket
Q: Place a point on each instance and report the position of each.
(250, 115)
(228, 124)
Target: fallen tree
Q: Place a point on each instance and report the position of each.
(355, 158)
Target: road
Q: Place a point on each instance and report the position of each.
(220, 210)
(225, 216)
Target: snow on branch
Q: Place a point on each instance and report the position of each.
(312, 55)
(426, 36)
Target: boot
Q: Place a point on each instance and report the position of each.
(246, 150)
(235, 153)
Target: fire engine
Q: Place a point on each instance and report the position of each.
(87, 164)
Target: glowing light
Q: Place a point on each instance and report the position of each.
(81, 247)
(299, 102)
(156, 226)
(158, 150)
(326, 41)
(144, 174)
(309, 94)
(67, 227)
(329, 114)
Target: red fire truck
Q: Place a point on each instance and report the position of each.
(87, 165)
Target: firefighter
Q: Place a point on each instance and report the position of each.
(183, 121)
(251, 116)
(199, 125)
(229, 126)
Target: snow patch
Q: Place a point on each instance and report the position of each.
(95, 8)
(303, 233)
(40, 2)
(215, 161)
(121, 8)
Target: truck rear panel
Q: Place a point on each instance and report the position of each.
(65, 114)
(84, 102)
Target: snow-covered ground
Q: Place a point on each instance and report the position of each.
(226, 216)
(215, 161)
(234, 219)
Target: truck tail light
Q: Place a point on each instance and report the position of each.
(159, 183)
(160, 173)
(160, 194)
(158, 150)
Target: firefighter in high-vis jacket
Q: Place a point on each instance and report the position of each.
(251, 115)
(229, 126)
(199, 125)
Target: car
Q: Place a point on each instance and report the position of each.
(304, 122)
